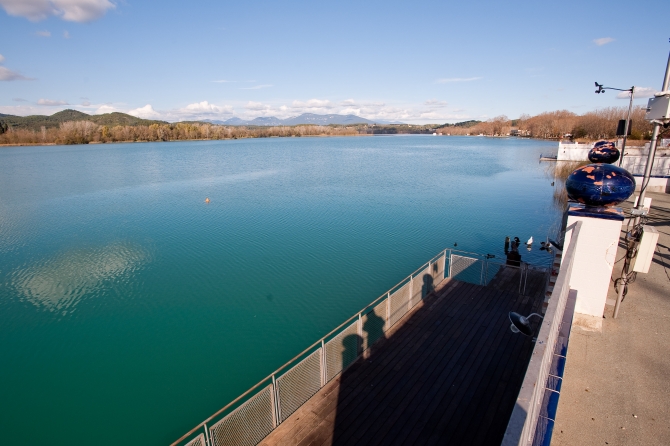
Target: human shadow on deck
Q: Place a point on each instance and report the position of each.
(448, 373)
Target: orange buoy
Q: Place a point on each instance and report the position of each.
(207, 200)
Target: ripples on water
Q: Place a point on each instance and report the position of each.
(130, 310)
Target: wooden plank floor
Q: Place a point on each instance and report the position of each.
(531, 283)
(448, 373)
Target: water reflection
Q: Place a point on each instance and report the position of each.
(60, 282)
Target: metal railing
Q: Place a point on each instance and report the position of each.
(258, 411)
(523, 421)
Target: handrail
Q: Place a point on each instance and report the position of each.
(357, 315)
(523, 421)
(302, 353)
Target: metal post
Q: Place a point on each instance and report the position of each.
(409, 301)
(625, 132)
(450, 261)
(388, 310)
(622, 284)
(525, 280)
(323, 363)
(643, 190)
(208, 440)
(276, 403)
(652, 149)
(359, 330)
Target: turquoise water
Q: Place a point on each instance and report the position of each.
(130, 310)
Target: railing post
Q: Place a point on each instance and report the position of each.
(481, 274)
(411, 291)
(276, 404)
(359, 329)
(388, 310)
(525, 281)
(451, 254)
(323, 363)
(208, 440)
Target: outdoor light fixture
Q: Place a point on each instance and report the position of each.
(520, 323)
(626, 129)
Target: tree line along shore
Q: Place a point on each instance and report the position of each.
(72, 127)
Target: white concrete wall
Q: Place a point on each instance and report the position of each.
(635, 161)
(573, 152)
(594, 259)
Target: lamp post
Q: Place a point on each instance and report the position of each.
(631, 90)
(637, 212)
(652, 145)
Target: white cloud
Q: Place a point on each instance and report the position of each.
(105, 109)
(313, 104)
(640, 92)
(603, 41)
(204, 107)
(51, 103)
(146, 112)
(43, 33)
(257, 106)
(66, 34)
(457, 79)
(70, 10)
(256, 87)
(194, 112)
(2, 58)
(222, 81)
(435, 103)
(8, 75)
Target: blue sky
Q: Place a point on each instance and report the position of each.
(415, 62)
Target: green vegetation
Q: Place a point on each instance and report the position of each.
(594, 125)
(464, 124)
(74, 127)
(36, 122)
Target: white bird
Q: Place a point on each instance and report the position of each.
(530, 241)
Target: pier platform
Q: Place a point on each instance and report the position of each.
(448, 373)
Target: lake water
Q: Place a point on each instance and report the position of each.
(131, 310)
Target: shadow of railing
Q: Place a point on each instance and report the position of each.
(448, 374)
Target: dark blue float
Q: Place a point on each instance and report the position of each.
(600, 185)
(604, 152)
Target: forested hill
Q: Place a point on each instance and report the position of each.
(36, 122)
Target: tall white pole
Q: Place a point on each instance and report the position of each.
(652, 146)
(645, 182)
(625, 131)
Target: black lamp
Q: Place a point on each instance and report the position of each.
(520, 323)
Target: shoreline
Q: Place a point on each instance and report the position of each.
(267, 137)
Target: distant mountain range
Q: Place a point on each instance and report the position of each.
(305, 118)
(36, 122)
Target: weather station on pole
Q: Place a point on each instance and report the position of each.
(625, 131)
(595, 191)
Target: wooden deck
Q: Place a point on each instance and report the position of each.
(448, 373)
(531, 282)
